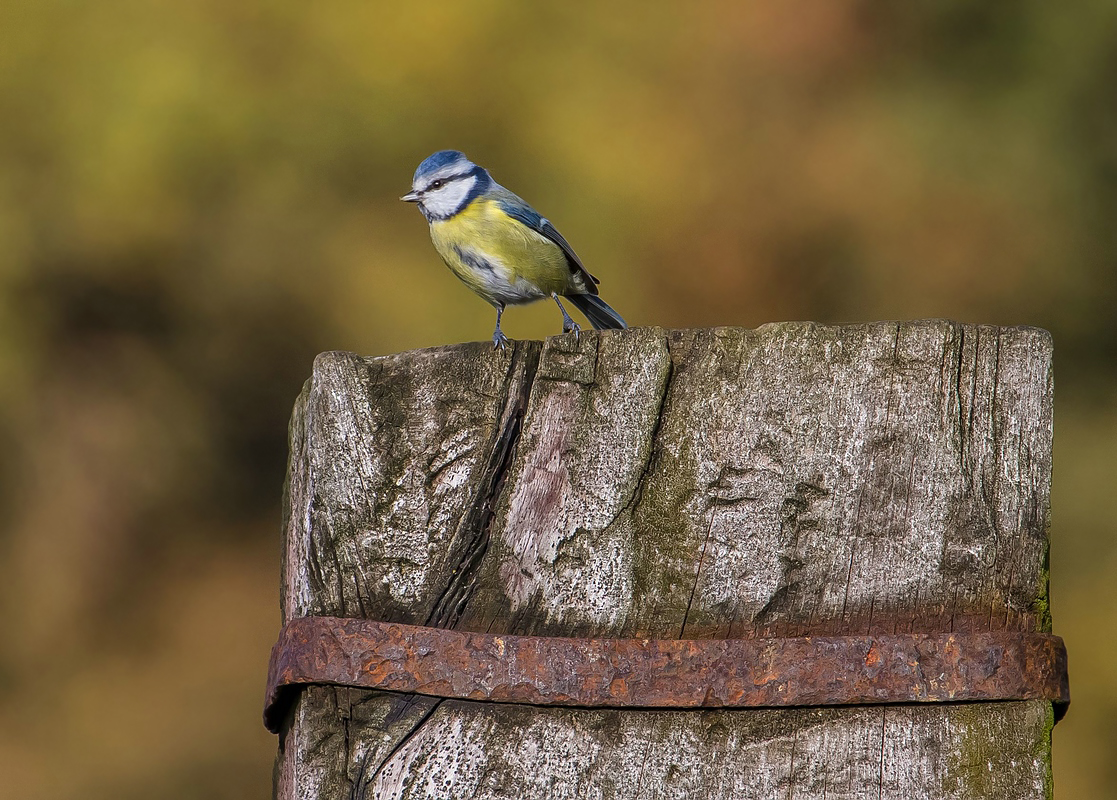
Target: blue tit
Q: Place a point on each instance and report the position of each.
(499, 246)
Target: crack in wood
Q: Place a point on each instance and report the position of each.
(641, 480)
(477, 524)
(403, 741)
(698, 571)
(883, 740)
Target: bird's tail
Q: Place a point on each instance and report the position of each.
(597, 311)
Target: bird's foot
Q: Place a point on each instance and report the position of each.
(500, 341)
(568, 325)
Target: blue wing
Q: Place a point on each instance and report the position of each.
(520, 211)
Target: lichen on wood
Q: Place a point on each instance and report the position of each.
(793, 480)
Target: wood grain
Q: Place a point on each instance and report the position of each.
(797, 479)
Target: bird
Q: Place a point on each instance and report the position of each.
(501, 247)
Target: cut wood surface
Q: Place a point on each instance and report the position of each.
(793, 480)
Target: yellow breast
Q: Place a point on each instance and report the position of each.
(498, 257)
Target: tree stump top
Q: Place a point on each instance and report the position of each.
(794, 480)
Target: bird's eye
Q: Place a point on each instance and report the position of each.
(438, 184)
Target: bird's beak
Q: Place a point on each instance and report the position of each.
(411, 197)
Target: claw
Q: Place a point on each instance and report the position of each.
(568, 325)
(499, 339)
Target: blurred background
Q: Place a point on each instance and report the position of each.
(196, 197)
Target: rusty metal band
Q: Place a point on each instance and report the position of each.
(665, 673)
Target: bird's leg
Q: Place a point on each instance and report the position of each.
(568, 325)
(499, 339)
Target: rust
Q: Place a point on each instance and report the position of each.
(666, 673)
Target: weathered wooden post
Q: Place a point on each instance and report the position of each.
(848, 525)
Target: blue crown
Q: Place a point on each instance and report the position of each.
(439, 160)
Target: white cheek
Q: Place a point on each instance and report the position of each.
(449, 198)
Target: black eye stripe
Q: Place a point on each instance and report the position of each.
(440, 182)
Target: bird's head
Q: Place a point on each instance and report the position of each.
(445, 183)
